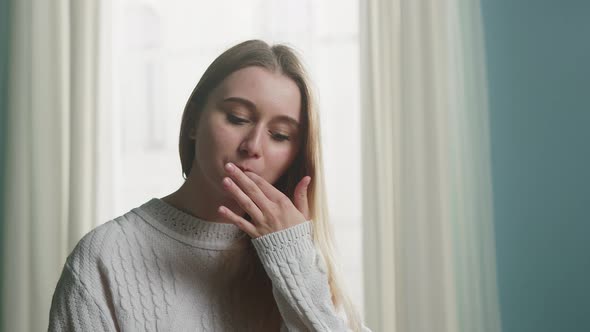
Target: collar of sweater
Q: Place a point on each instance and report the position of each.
(187, 228)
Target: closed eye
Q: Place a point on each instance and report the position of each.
(240, 121)
(236, 120)
(280, 137)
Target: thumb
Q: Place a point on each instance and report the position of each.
(300, 197)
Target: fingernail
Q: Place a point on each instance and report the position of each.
(229, 167)
(227, 181)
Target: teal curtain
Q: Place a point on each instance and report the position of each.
(4, 52)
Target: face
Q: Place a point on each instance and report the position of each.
(251, 119)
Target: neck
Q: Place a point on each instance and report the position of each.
(201, 199)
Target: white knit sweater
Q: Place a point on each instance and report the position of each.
(152, 270)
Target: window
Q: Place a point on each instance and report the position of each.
(159, 50)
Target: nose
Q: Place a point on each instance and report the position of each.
(251, 145)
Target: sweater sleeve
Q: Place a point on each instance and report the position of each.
(73, 308)
(300, 280)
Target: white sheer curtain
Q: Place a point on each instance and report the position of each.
(427, 203)
(49, 198)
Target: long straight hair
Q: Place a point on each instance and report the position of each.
(252, 300)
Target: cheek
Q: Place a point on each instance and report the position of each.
(223, 138)
(218, 138)
(279, 159)
(206, 150)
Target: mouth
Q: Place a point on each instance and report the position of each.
(244, 169)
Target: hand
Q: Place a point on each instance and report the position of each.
(270, 209)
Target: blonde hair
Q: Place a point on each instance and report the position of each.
(243, 270)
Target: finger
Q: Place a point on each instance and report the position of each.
(248, 186)
(242, 223)
(243, 200)
(300, 197)
(268, 189)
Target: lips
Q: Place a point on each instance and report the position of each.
(244, 169)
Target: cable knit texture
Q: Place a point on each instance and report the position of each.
(153, 268)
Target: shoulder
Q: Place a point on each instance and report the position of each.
(98, 246)
(92, 247)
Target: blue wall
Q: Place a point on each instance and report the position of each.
(538, 58)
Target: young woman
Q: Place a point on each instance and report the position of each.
(245, 243)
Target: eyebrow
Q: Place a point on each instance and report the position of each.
(252, 107)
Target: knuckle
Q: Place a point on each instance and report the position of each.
(250, 187)
(249, 205)
(254, 179)
(284, 201)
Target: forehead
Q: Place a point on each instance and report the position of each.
(273, 93)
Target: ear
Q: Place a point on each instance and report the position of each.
(192, 133)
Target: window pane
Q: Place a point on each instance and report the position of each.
(160, 49)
